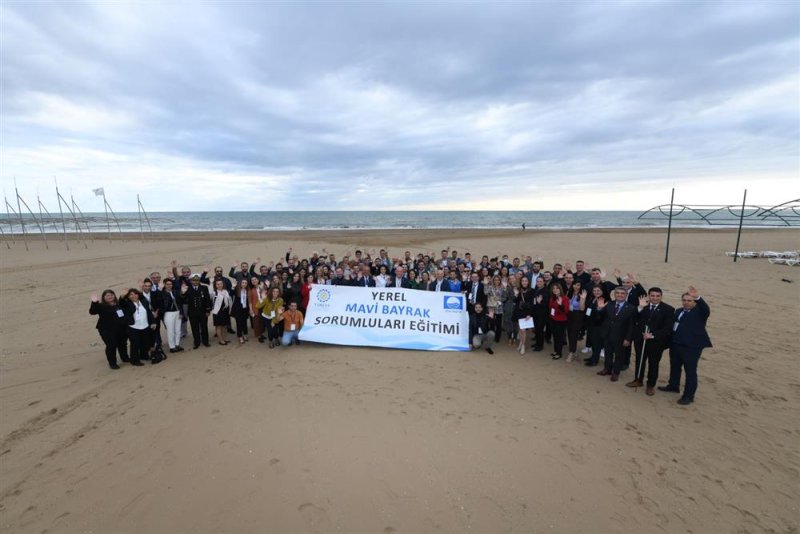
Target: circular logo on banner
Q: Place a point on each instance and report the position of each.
(323, 295)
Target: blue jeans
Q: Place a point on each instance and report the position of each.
(684, 358)
(288, 337)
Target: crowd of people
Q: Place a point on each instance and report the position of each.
(516, 297)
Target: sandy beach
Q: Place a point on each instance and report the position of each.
(322, 438)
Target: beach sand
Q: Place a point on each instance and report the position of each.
(322, 438)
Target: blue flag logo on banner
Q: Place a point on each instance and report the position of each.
(452, 302)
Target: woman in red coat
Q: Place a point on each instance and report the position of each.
(305, 292)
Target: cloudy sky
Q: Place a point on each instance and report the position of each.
(268, 106)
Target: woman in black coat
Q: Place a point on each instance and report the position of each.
(111, 323)
(541, 298)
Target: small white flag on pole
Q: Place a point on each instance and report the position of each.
(99, 192)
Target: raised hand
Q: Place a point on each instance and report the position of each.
(693, 292)
(258, 260)
(539, 299)
(173, 263)
(643, 301)
(140, 284)
(632, 278)
(280, 310)
(601, 303)
(568, 266)
(233, 265)
(583, 294)
(184, 288)
(617, 272)
(207, 269)
(94, 298)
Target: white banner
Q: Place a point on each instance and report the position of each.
(386, 317)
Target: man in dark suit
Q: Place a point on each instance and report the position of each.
(689, 338)
(597, 281)
(651, 336)
(339, 278)
(365, 278)
(198, 302)
(399, 279)
(475, 292)
(618, 324)
(439, 283)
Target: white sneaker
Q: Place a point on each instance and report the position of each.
(586, 350)
(570, 357)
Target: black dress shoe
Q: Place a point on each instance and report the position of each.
(197, 346)
(489, 350)
(173, 351)
(669, 389)
(231, 331)
(588, 359)
(206, 344)
(114, 366)
(156, 360)
(624, 368)
(590, 364)
(179, 349)
(683, 401)
(537, 349)
(126, 359)
(137, 364)
(556, 356)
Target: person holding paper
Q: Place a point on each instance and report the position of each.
(111, 325)
(523, 312)
(292, 323)
(689, 338)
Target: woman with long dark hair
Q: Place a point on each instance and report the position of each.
(240, 309)
(140, 325)
(577, 307)
(559, 308)
(523, 310)
(111, 325)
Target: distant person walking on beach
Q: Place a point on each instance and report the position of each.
(523, 227)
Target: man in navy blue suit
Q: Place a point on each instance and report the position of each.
(439, 283)
(399, 279)
(689, 338)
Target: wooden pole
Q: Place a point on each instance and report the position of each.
(21, 221)
(669, 225)
(108, 221)
(741, 221)
(63, 221)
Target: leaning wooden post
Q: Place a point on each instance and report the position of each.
(669, 225)
(739, 233)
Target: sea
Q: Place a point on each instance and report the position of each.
(223, 221)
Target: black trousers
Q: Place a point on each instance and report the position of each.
(559, 330)
(539, 324)
(199, 324)
(648, 361)
(241, 322)
(595, 336)
(684, 358)
(116, 341)
(139, 344)
(498, 326)
(273, 330)
(615, 354)
(574, 326)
